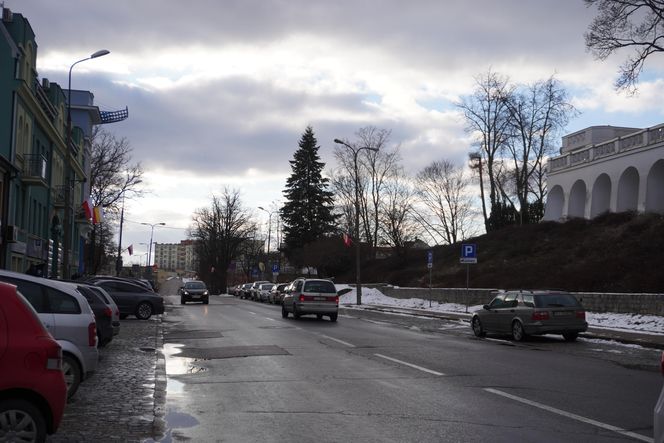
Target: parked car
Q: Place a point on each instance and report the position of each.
(254, 289)
(244, 290)
(33, 392)
(659, 410)
(524, 313)
(194, 290)
(103, 314)
(311, 296)
(277, 293)
(133, 299)
(115, 321)
(68, 317)
(139, 281)
(264, 292)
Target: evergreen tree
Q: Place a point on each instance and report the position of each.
(307, 213)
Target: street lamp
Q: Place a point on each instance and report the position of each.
(68, 178)
(152, 225)
(269, 231)
(355, 151)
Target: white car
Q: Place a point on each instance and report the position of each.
(68, 317)
(659, 412)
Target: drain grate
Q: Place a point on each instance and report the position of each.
(184, 334)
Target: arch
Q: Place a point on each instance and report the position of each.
(628, 190)
(577, 200)
(601, 197)
(655, 188)
(555, 202)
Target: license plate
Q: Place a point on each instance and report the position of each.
(320, 298)
(196, 296)
(563, 314)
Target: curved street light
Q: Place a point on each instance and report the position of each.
(152, 225)
(269, 231)
(68, 179)
(355, 151)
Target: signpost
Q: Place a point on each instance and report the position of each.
(468, 256)
(430, 266)
(275, 271)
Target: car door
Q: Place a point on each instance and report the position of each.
(35, 295)
(506, 312)
(120, 298)
(67, 317)
(489, 316)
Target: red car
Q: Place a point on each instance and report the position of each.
(33, 392)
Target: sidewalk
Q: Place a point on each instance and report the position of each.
(647, 340)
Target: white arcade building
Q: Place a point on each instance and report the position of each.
(607, 168)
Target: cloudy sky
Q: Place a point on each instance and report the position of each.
(220, 91)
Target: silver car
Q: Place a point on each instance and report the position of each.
(524, 313)
(311, 296)
(67, 315)
(264, 292)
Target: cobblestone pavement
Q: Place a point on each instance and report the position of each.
(124, 398)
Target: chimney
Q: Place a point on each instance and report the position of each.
(7, 15)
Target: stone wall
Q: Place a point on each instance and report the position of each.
(630, 303)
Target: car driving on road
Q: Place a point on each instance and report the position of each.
(194, 290)
(311, 296)
(524, 313)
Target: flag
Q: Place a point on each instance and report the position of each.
(347, 240)
(97, 215)
(87, 209)
(130, 249)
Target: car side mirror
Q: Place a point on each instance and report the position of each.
(486, 307)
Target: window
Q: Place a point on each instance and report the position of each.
(62, 303)
(510, 300)
(497, 302)
(529, 300)
(31, 291)
(554, 300)
(323, 286)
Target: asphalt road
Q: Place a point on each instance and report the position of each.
(239, 372)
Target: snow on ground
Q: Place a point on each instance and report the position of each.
(633, 322)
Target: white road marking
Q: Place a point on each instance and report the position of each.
(409, 364)
(252, 313)
(572, 416)
(345, 343)
(269, 318)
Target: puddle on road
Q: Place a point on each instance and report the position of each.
(174, 421)
(176, 365)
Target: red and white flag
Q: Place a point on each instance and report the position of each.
(130, 249)
(347, 240)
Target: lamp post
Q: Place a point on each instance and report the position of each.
(68, 177)
(355, 151)
(269, 232)
(152, 225)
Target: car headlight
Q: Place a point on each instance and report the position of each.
(186, 292)
(205, 293)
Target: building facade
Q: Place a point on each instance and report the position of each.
(607, 169)
(176, 257)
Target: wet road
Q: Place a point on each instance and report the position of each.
(239, 372)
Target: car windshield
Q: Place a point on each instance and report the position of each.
(194, 285)
(267, 287)
(555, 300)
(320, 286)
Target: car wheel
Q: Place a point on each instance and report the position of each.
(284, 312)
(477, 327)
(123, 316)
(296, 313)
(333, 317)
(570, 336)
(22, 420)
(518, 333)
(143, 310)
(206, 301)
(72, 373)
(183, 301)
(319, 316)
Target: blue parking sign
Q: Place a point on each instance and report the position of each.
(468, 250)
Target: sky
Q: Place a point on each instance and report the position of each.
(220, 91)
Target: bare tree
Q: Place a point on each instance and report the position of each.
(398, 223)
(219, 231)
(112, 176)
(487, 119)
(537, 113)
(443, 188)
(632, 24)
(375, 168)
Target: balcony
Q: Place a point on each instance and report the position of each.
(34, 170)
(644, 139)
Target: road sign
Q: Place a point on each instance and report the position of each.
(468, 253)
(275, 268)
(429, 259)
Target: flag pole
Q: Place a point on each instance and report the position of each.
(118, 261)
